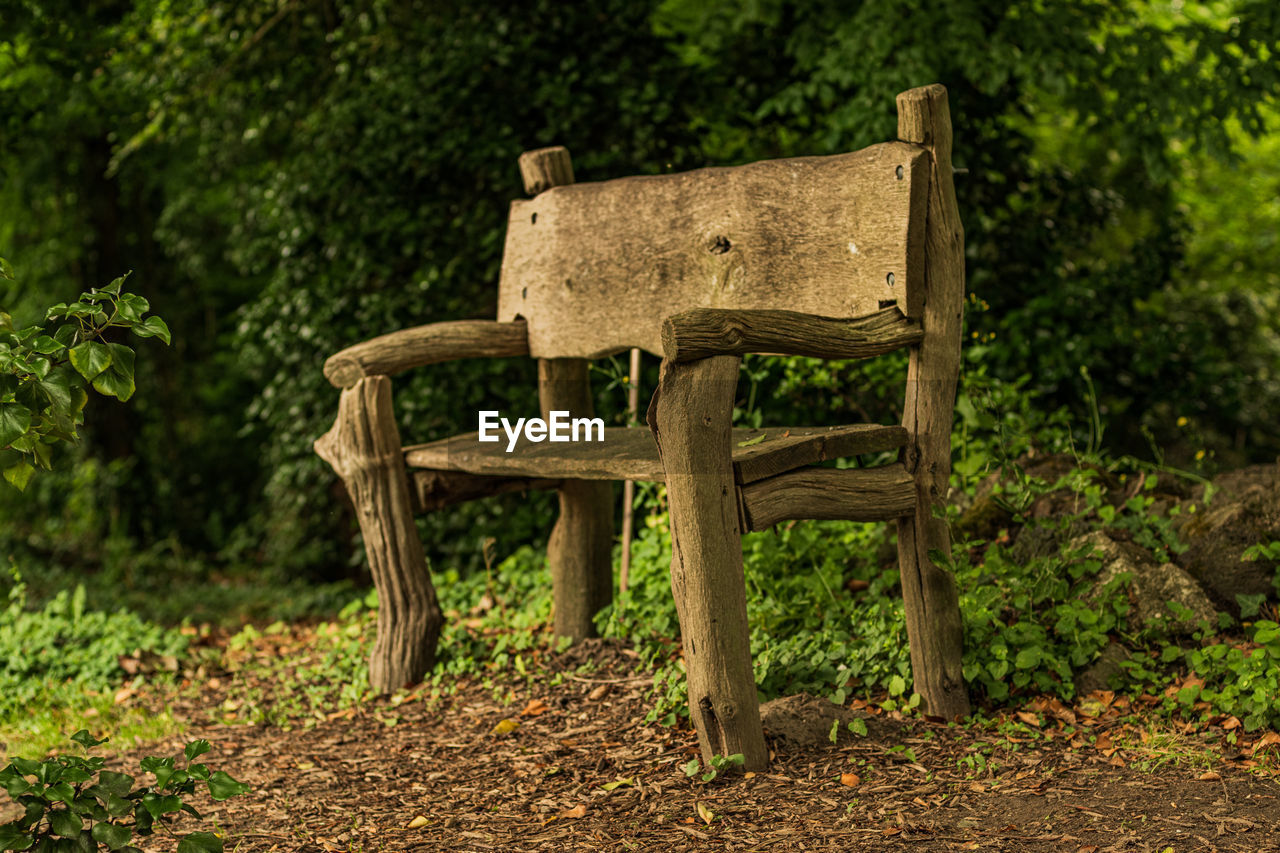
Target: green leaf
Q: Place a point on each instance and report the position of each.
(691, 769)
(200, 842)
(132, 307)
(15, 420)
(222, 786)
(90, 358)
(120, 784)
(19, 475)
(858, 726)
(12, 838)
(118, 806)
(152, 327)
(117, 380)
(87, 740)
(897, 685)
(60, 791)
(196, 748)
(157, 805)
(116, 283)
(750, 441)
(6, 271)
(65, 823)
(1028, 658)
(13, 782)
(111, 835)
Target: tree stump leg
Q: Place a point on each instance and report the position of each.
(364, 449)
(690, 418)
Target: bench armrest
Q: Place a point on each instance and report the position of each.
(704, 332)
(421, 345)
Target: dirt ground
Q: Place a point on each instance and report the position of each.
(427, 776)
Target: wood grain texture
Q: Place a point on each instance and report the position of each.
(434, 490)
(689, 417)
(544, 168)
(632, 454)
(852, 494)
(364, 449)
(435, 342)
(934, 625)
(594, 268)
(705, 332)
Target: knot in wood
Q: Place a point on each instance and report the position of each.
(719, 245)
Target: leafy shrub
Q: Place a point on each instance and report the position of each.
(64, 643)
(72, 803)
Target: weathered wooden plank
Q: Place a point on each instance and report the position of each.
(631, 454)
(852, 494)
(594, 268)
(934, 625)
(364, 449)
(422, 345)
(705, 332)
(434, 490)
(689, 417)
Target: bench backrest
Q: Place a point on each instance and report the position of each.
(593, 268)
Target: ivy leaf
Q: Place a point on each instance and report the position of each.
(19, 475)
(15, 420)
(222, 786)
(200, 842)
(152, 327)
(897, 685)
(116, 283)
(111, 835)
(117, 380)
(6, 271)
(90, 358)
(132, 307)
(112, 782)
(196, 748)
(87, 740)
(12, 838)
(65, 823)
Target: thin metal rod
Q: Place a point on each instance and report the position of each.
(629, 487)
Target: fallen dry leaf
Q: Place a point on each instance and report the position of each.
(506, 727)
(418, 822)
(705, 813)
(579, 810)
(1029, 718)
(534, 708)
(851, 780)
(598, 693)
(1210, 776)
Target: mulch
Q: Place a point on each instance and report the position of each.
(437, 774)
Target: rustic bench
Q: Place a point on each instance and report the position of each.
(846, 256)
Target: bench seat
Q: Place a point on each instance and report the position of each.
(632, 454)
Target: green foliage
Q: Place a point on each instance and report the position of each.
(71, 802)
(719, 765)
(44, 370)
(67, 646)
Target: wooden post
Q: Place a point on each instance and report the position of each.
(364, 449)
(934, 626)
(580, 550)
(690, 418)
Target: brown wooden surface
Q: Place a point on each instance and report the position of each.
(934, 625)
(631, 454)
(594, 268)
(435, 342)
(689, 417)
(364, 449)
(580, 548)
(853, 494)
(434, 490)
(705, 332)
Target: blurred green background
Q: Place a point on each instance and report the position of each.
(288, 178)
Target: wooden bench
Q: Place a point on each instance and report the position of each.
(847, 256)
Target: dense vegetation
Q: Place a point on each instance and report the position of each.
(286, 179)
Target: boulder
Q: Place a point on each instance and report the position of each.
(1243, 510)
(1152, 585)
(1106, 670)
(805, 720)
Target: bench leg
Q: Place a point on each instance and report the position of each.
(580, 550)
(690, 418)
(364, 449)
